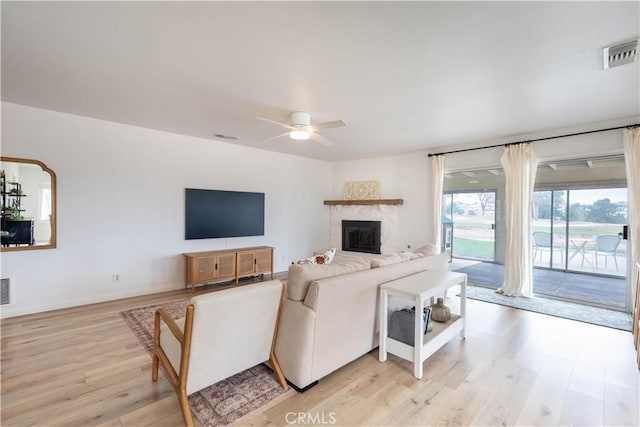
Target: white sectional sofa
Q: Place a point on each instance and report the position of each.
(330, 312)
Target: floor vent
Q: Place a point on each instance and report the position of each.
(621, 54)
(5, 291)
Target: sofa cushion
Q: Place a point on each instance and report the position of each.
(395, 258)
(386, 260)
(300, 275)
(414, 255)
(428, 249)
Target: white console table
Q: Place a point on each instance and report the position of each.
(418, 288)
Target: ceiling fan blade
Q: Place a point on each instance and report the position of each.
(320, 139)
(276, 136)
(328, 125)
(284, 125)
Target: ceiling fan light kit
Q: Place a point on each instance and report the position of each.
(299, 135)
(300, 128)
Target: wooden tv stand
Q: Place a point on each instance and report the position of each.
(226, 264)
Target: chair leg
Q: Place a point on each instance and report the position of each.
(184, 407)
(276, 368)
(616, 261)
(154, 367)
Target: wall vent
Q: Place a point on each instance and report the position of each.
(5, 291)
(621, 54)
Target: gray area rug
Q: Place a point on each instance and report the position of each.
(224, 402)
(597, 316)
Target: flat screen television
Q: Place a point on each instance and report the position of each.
(218, 213)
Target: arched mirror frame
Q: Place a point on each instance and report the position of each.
(53, 239)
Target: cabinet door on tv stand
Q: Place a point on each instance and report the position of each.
(263, 260)
(205, 269)
(246, 262)
(226, 264)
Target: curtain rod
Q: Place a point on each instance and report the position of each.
(535, 140)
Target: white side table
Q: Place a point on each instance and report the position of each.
(418, 288)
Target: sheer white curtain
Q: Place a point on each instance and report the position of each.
(437, 166)
(631, 142)
(519, 163)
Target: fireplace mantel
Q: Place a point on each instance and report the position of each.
(364, 202)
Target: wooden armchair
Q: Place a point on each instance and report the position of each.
(222, 334)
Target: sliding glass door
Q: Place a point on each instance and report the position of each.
(549, 215)
(580, 230)
(473, 216)
(578, 211)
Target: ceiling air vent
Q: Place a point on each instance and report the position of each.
(621, 54)
(226, 137)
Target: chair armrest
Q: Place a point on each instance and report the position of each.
(178, 379)
(161, 313)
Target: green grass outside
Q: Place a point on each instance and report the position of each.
(469, 248)
(472, 222)
(484, 249)
(586, 229)
(575, 228)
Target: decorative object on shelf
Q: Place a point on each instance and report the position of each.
(440, 312)
(12, 213)
(12, 195)
(361, 190)
(402, 324)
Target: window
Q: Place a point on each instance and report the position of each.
(45, 204)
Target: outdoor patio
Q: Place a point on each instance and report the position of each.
(577, 287)
(582, 255)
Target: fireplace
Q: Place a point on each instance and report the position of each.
(361, 236)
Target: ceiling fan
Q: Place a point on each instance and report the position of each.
(301, 128)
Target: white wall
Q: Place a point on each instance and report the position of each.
(120, 193)
(406, 176)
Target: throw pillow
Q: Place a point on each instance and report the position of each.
(325, 258)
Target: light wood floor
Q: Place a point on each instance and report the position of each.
(83, 366)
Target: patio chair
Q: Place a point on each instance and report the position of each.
(607, 245)
(543, 241)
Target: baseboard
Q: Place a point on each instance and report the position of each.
(14, 310)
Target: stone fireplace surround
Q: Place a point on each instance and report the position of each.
(386, 213)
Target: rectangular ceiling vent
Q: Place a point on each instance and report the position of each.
(621, 54)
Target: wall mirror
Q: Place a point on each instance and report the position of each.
(28, 210)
